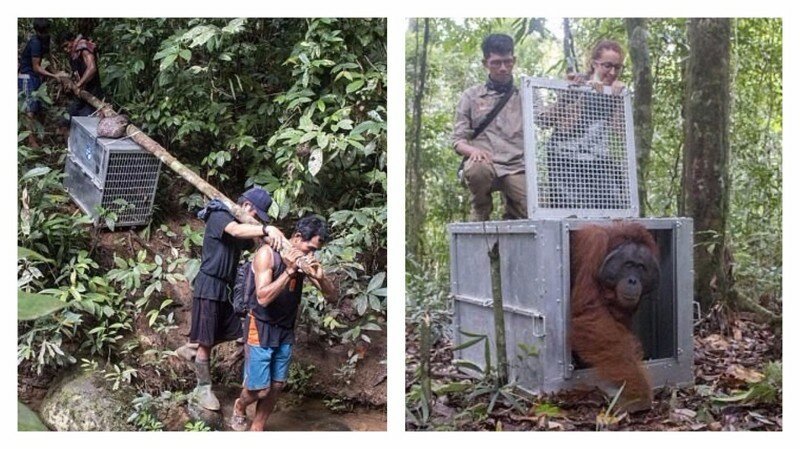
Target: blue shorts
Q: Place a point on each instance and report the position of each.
(262, 366)
(27, 84)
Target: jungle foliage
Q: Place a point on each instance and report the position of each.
(297, 106)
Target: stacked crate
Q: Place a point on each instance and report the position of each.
(576, 175)
(111, 175)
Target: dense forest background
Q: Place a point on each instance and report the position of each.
(683, 72)
(240, 102)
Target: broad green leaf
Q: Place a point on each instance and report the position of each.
(345, 124)
(376, 281)
(27, 420)
(191, 269)
(361, 304)
(375, 303)
(354, 86)
(322, 140)
(31, 306)
(25, 253)
(469, 343)
(308, 136)
(452, 387)
(38, 171)
(371, 327)
(234, 26)
(167, 61)
(186, 55)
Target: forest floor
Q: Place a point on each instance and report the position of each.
(737, 386)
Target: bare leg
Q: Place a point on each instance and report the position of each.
(247, 397)
(203, 352)
(265, 406)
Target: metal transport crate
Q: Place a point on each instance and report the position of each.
(535, 275)
(580, 156)
(115, 175)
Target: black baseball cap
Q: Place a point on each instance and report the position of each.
(260, 200)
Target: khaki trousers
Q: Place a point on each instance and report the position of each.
(482, 180)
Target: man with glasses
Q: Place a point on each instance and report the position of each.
(488, 134)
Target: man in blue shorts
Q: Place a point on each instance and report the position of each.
(269, 326)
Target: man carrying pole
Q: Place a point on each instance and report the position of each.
(273, 306)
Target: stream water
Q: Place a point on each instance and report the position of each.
(295, 413)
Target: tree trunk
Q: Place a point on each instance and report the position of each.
(499, 314)
(642, 101)
(706, 153)
(415, 213)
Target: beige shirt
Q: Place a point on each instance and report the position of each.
(503, 136)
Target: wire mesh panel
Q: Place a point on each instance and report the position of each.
(579, 151)
(130, 186)
(112, 175)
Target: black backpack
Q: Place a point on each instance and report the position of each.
(244, 289)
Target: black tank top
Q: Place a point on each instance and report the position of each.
(93, 85)
(282, 311)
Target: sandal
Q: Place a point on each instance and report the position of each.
(238, 422)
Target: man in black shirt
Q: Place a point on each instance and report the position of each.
(273, 304)
(213, 318)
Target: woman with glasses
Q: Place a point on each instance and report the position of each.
(605, 66)
(584, 151)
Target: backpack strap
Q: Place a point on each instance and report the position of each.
(249, 277)
(277, 265)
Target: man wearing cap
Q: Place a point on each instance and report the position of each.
(213, 318)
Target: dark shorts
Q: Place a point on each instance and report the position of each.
(27, 84)
(213, 322)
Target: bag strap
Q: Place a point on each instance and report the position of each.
(277, 265)
(249, 274)
(483, 124)
(493, 113)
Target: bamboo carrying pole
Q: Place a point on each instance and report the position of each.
(136, 134)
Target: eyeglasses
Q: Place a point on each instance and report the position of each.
(610, 65)
(496, 63)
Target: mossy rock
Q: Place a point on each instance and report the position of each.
(85, 402)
